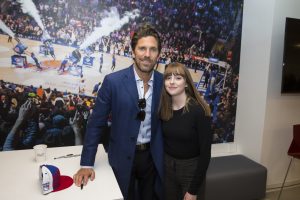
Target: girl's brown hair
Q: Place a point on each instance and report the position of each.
(165, 105)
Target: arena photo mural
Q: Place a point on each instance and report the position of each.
(54, 55)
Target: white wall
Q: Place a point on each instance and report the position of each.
(254, 69)
(264, 116)
(282, 111)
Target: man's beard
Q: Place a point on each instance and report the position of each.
(144, 69)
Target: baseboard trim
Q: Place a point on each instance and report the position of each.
(275, 187)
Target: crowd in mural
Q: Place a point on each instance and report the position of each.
(190, 30)
(223, 106)
(30, 116)
(187, 27)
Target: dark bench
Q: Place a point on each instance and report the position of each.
(235, 177)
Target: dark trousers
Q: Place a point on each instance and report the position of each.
(143, 176)
(178, 175)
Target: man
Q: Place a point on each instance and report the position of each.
(96, 88)
(76, 55)
(51, 51)
(101, 63)
(47, 43)
(9, 40)
(131, 96)
(113, 66)
(81, 86)
(37, 63)
(63, 65)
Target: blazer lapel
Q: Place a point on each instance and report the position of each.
(130, 84)
(157, 83)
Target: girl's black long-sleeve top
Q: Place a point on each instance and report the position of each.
(188, 135)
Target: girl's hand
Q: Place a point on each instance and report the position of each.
(189, 196)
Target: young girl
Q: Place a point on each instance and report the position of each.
(187, 135)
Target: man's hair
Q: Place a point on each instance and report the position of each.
(145, 30)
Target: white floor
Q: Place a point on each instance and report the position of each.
(288, 193)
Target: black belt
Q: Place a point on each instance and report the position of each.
(142, 147)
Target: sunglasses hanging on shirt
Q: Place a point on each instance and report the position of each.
(142, 105)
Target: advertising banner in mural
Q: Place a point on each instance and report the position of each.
(54, 54)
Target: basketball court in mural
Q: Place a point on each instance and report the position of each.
(50, 76)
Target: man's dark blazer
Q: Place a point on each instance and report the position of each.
(118, 95)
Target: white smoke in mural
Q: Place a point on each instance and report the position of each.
(5, 29)
(29, 8)
(110, 23)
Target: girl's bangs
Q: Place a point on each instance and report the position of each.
(176, 70)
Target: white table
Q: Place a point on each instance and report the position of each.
(19, 176)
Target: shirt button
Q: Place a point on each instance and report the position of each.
(128, 157)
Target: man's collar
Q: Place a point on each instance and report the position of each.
(137, 78)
